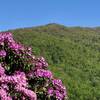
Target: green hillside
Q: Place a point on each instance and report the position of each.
(73, 54)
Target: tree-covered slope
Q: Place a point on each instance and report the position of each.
(72, 53)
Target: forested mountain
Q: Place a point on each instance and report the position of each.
(73, 54)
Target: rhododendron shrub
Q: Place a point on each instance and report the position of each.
(24, 76)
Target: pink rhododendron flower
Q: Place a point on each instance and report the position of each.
(43, 73)
(23, 76)
(2, 53)
(2, 70)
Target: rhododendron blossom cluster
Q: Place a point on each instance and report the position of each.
(24, 76)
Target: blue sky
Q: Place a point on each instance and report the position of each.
(28, 13)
